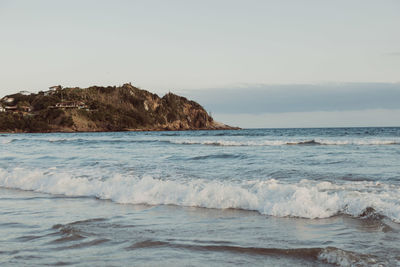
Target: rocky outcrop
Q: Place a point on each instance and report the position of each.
(124, 108)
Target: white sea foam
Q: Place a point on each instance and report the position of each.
(55, 140)
(308, 199)
(228, 143)
(344, 258)
(222, 142)
(359, 142)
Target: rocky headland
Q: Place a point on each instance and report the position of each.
(98, 109)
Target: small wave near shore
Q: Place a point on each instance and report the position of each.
(209, 142)
(287, 142)
(306, 198)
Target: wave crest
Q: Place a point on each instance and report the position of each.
(285, 142)
(217, 142)
(307, 199)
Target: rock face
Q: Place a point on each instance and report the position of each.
(97, 108)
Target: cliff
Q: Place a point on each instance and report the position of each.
(97, 108)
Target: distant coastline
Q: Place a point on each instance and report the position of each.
(101, 109)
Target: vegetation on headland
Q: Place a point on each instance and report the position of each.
(98, 108)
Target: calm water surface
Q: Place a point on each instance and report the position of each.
(267, 197)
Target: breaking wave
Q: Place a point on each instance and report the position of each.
(283, 142)
(331, 255)
(343, 258)
(222, 142)
(307, 199)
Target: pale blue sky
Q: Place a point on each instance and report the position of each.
(195, 47)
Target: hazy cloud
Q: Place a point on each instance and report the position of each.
(354, 118)
(257, 99)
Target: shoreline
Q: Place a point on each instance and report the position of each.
(128, 130)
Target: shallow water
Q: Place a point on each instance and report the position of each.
(260, 197)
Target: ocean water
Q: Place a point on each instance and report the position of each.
(257, 197)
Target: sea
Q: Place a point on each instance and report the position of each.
(252, 197)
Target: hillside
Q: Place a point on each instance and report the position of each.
(124, 108)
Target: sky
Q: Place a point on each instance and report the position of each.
(252, 63)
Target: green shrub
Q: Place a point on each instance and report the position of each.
(43, 102)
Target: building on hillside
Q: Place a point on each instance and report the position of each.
(15, 108)
(25, 108)
(11, 108)
(71, 105)
(7, 100)
(52, 90)
(81, 105)
(2, 109)
(56, 87)
(25, 93)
